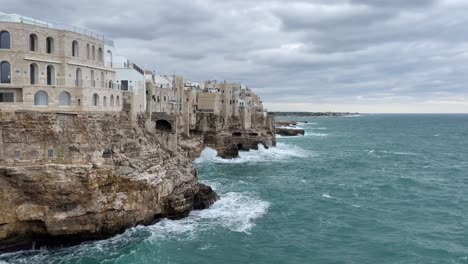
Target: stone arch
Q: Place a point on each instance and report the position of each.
(117, 101)
(5, 72)
(79, 77)
(109, 58)
(5, 40)
(33, 42)
(50, 45)
(100, 55)
(95, 100)
(104, 101)
(112, 100)
(50, 75)
(41, 98)
(75, 49)
(163, 125)
(33, 73)
(64, 98)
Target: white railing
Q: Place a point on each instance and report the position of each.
(30, 21)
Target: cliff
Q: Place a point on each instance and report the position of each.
(66, 178)
(231, 135)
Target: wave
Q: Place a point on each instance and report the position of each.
(376, 152)
(282, 151)
(291, 127)
(313, 134)
(349, 116)
(234, 211)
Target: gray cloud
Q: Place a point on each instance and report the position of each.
(362, 54)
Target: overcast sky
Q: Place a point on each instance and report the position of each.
(315, 55)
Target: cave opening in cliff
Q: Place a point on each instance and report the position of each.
(240, 146)
(163, 125)
(236, 134)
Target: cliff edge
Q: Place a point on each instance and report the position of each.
(66, 178)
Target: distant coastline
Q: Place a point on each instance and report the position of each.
(315, 114)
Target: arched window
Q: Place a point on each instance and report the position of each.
(93, 82)
(50, 75)
(117, 101)
(94, 53)
(112, 101)
(87, 51)
(95, 100)
(33, 73)
(41, 98)
(102, 80)
(75, 49)
(5, 72)
(100, 55)
(50, 45)
(110, 84)
(32, 42)
(64, 98)
(4, 40)
(109, 58)
(104, 101)
(79, 78)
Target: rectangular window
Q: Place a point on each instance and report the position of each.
(34, 154)
(124, 85)
(7, 97)
(50, 153)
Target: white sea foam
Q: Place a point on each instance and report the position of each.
(313, 134)
(326, 195)
(235, 211)
(349, 116)
(282, 151)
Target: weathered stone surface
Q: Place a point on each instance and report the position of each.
(228, 137)
(106, 174)
(289, 132)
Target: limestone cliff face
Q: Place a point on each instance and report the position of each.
(230, 136)
(65, 178)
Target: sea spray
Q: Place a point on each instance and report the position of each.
(281, 152)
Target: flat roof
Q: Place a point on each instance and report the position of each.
(15, 18)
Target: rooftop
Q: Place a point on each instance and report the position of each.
(15, 18)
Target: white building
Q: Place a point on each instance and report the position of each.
(131, 78)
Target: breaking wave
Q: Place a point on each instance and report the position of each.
(282, 151)
(234, 211)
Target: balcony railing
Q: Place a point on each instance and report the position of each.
(39, 23)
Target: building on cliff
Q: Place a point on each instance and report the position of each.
(53, 67)
(47, 67)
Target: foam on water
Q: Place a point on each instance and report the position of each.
(234, 211)
(313, 134)
(282, 151)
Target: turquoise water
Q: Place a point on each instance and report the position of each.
(368, 189)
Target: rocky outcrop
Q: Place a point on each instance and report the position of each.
(230, 136)
(289, 132)
(66, 178)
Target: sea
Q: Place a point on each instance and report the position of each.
(357, 189)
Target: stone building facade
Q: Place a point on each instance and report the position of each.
(48, 69)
